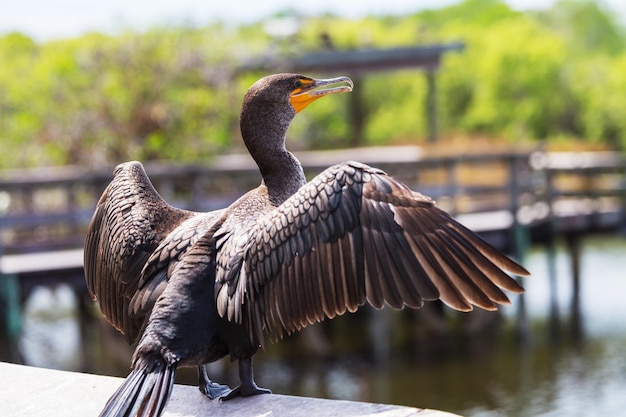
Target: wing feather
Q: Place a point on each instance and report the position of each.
(129, 222)
(449, 293)
(457, 275)
(354, 235)
(373, 269)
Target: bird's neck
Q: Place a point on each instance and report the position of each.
(264, 136)
(284, 178)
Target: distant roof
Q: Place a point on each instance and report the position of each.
(357, 61)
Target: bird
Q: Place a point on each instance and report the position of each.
(190, 288)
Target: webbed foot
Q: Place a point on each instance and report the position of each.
(209, 388)
(248, 387)
(245, 391)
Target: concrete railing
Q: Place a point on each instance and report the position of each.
(34, 392)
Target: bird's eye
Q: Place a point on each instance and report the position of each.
(297, 84)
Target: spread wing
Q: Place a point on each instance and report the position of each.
(354, 235)
(129, 223)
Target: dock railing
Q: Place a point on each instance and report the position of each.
(48, 209)
(512, 199)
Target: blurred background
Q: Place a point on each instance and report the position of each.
(512, 114)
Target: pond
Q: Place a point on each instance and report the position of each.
(565, 367)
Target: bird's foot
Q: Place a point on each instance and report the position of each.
(209, 388)
(245, 390)
(248, 387)
(213, 390)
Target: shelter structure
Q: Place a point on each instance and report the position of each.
(358, 63)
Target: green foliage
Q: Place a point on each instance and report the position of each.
(586, 26)
(599, 86)
(510, 84)
(470, 13)
(172, 92)
(407, 118)
(102, 99)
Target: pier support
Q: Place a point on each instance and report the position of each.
(10, 318)
(431, 105)
(554, 321)
(575, 252)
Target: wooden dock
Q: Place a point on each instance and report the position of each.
(513, 200)
(546, 195)
(34, 392)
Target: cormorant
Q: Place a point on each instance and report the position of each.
(192, 287)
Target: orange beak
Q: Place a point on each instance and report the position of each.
(311, 90)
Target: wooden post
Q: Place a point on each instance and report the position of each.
(10, 309)
(574, 249)
(622, 172)
(431, 105)
(87, 325)
(356, 112)
(379, 329)
(554, 324)
(10, 317)
(70, 190)
(520, 243)
(452, 186)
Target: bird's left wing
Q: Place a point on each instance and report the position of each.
(129, 222)
(354, 235)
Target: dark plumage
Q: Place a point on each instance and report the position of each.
(192, 288)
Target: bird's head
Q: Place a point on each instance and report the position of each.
(298, 90)
(268, 109)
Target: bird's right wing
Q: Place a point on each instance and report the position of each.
(354, 235)
(129, 222)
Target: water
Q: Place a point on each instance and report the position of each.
(573, 369)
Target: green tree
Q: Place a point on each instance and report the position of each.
(174, 92)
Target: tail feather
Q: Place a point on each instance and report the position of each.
(144, 393)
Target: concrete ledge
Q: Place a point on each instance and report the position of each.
(34, 392)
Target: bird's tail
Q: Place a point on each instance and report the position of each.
(144, 393)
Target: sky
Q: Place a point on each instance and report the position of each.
(46, 20)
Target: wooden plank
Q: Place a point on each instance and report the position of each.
(34, 392)
(487, 221)
(41, 261)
